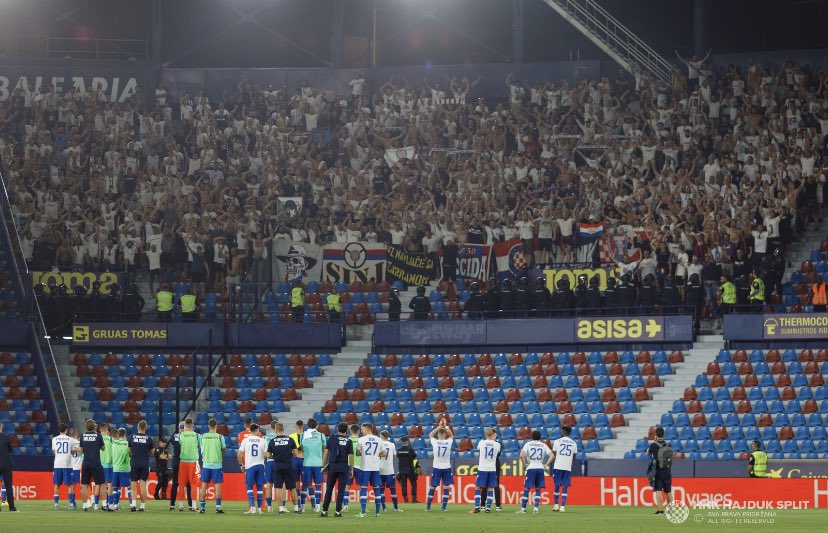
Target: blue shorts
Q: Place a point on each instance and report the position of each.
(212, 475)
(76, 475)
(62, 476)
(268, 471)
(441, 475)
(388, 480)
(312, 474)
(298, 465)
(369, 479)
(120, 479)
(254, 476)
(535, 479)
(356, 477)
(486, 479)
(561, 478)
(107, 470)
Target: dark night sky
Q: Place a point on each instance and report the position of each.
(410, 31)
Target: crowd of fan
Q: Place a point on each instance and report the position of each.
(723, 167)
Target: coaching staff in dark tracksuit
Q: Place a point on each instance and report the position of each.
(340, 468)
(407, 469)
(281, 449)
(7, 467)
(91, 469)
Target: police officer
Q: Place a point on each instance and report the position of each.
(79, 301)
(647, 295)
(340, 466)
(95, 301)
(474, 305)
(334, 306)
(727, 296)
(610, 297)
(580, 292)
(592, 295)
(113, 306)
(507, 299)
(394, 306)
(542, 298)
(297, 302)
(563, 300)
(693, 299)
(281, 449)
(523, 298)
(163, 302)
(626, 293)
(670, 296)
(758, 462)
(187, 304)
(407, 469)
(420, 304)
(756, 298)
(133, 302)
(773, 270)
(742, 291)
(492, 299)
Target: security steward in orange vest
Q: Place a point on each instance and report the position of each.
(818, 295)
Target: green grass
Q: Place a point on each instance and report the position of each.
(36, 516)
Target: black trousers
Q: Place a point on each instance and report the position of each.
(404, 480)
(163, 480)
(334, 478)
(7, 481)
(174, 492)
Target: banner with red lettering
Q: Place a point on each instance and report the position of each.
(736, 493)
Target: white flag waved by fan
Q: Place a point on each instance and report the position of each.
(393, 155)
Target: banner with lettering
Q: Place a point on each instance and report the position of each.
(703, 497)
(473, 262)
(410, 268)
(296, 261)
(354, 261)
(70, 279)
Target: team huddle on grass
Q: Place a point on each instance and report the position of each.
(278, 467)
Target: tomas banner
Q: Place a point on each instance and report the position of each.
(510, 259)
(70, 279)
(411, 269)
(473, 261)
(296, 261)
(354, 261)
(119, 334)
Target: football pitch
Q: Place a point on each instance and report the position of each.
(40, 516)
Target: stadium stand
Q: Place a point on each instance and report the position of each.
(777, 397)
(407, 394)
(21, 407)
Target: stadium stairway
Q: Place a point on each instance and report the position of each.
(77, 413)
(345, 364)
(704, 351)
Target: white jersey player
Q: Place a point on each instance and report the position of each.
(63, 446)
(372, 451)
(252, 450)
(441, 439)
(563, 451)
(387, 471)
(536, 455)
(488, 449)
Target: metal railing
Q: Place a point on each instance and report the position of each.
(87, 48)
(43, 356)
(613, 34)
